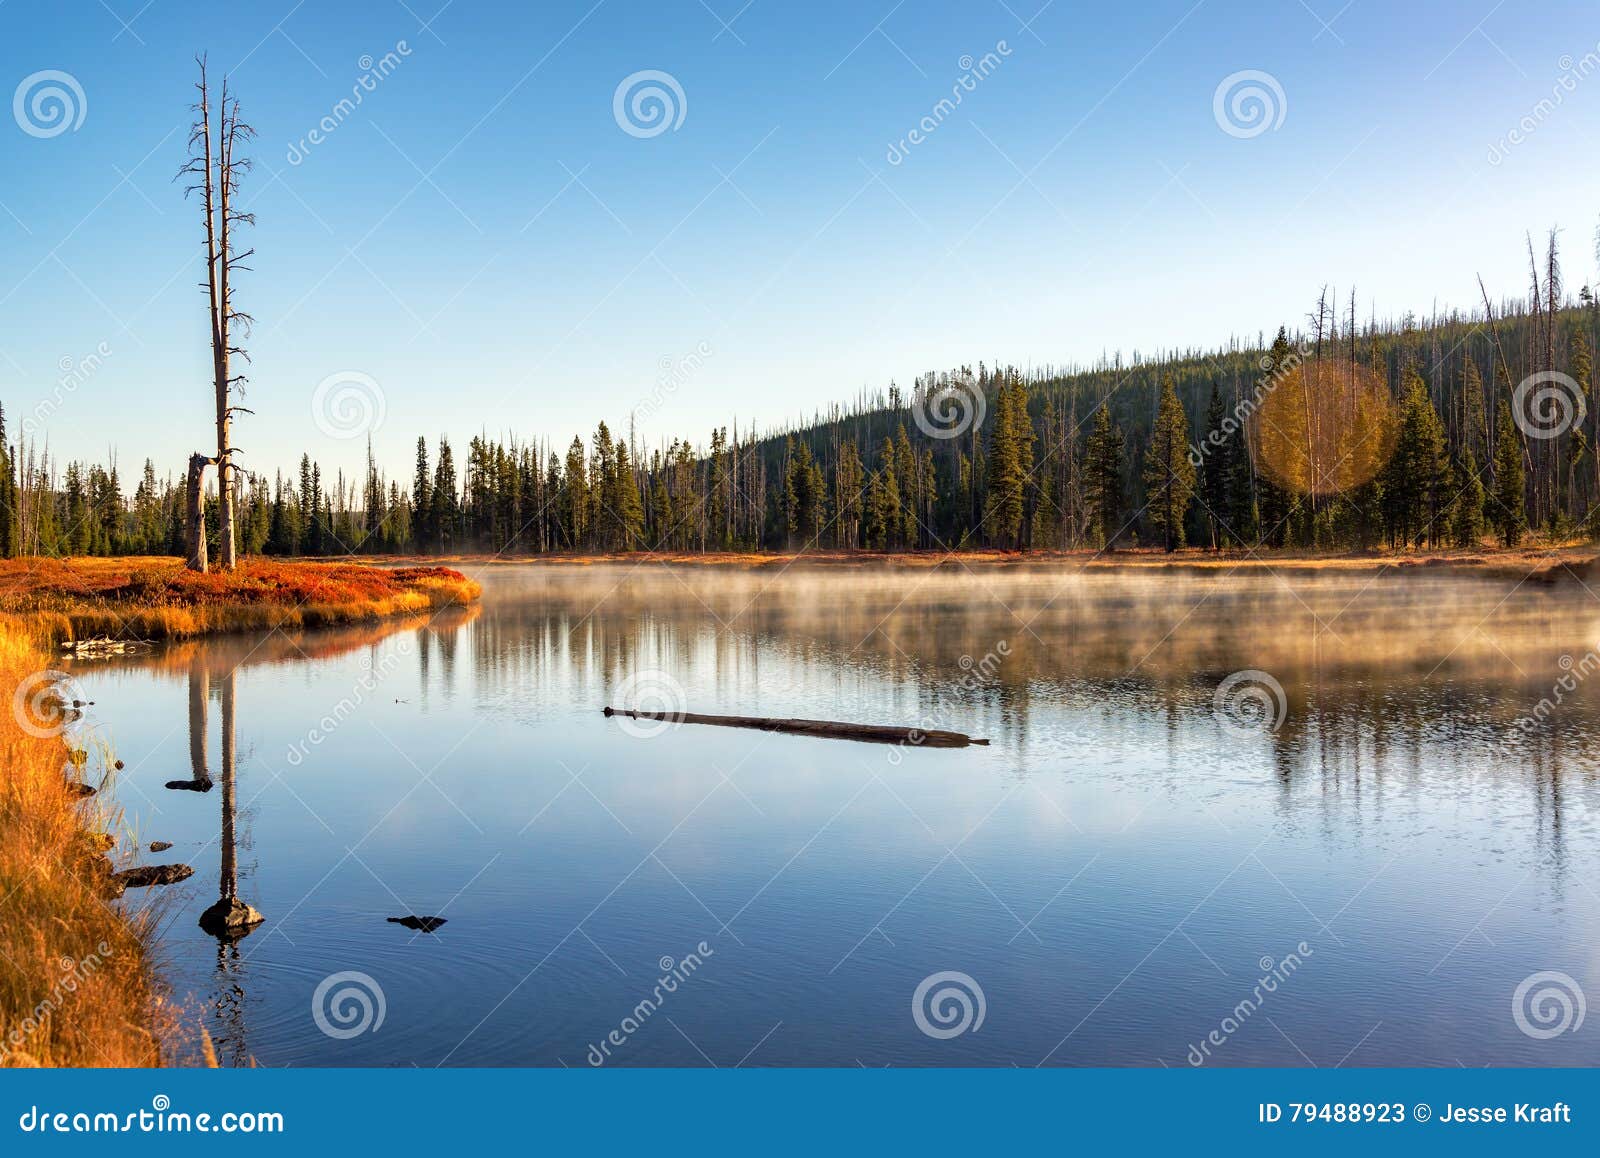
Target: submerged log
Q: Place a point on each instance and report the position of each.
(823, 729)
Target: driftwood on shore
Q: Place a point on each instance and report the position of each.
(824, 729)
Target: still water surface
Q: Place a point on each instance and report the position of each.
(1117, 872)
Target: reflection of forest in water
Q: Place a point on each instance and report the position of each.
(1374, 668)
(1390, 662)
(1386, 678)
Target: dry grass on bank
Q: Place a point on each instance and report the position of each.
(157, 598)
(74, 986)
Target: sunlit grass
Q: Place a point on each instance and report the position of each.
(146, 598)
(74, 986)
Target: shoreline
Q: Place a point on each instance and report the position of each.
(82, 988)
(1576, 561)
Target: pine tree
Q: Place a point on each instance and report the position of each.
(8, 495)
(626, 512)
(1214, 491)
(1466, 518)
(575, 498)
(1102, 470)
(1010, 465)
(847, 496)
(446, 508)
(1169, 474)
(424, 533)
(1510, 512)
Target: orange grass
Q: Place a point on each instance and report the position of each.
(157, 598)
(75, 989)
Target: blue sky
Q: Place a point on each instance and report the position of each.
(483, 241)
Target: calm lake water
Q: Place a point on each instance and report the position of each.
(1139, 869)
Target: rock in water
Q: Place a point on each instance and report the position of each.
(420, 924)
(230, 917)
(160, 845)
(152, 874)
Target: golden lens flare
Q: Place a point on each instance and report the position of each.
(1322, 426)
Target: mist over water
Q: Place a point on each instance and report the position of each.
(1377, 793)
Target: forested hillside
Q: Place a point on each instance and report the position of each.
(1340, 432)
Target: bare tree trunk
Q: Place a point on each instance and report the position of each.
(222, 306)
(215, 173)
(194, 522)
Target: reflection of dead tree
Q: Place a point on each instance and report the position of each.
(199, 703)
(215, 172)
(230, 918)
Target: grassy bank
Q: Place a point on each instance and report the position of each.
(76, 987)
(156, 598)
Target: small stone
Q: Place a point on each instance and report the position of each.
(160, 845)
(419, 924)
(190, 785)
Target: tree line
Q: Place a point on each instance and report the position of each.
(1341, 434)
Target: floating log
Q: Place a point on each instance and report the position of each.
(822, 729)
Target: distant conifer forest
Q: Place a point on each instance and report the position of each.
(1339, 433)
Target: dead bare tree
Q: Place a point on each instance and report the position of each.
(214, 170)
